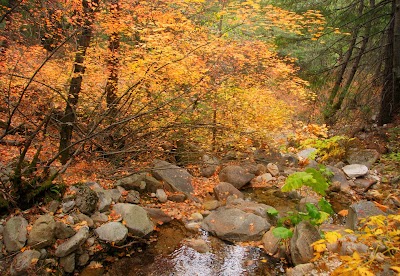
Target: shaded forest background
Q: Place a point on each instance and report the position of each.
(117, 83)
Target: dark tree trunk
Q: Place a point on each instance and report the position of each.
(69, 118)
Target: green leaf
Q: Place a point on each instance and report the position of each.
(272, 211)
(323, 217)
(282, 232)
(296, 180)
(319, 185)
(325, 206)
(313, 211)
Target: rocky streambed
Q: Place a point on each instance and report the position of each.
(167, 222)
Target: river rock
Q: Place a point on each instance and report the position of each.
(158, 215)
(300, 244)
(355, 170)
(136, 219)
(68, 205)
(23, 262)
(199, 245)
(63, 231)
(133, 182)
(15, 233)
(178, 178)
(115, 194)
(68, 263)
(365, 157)
(235, 175)
(300, 270)
(271, 243)
(99, 218)
(261, 180)
(152, 184)
(112, 232)
(86, 199)
(273, 169)
(339, 176)
(255, 208)
(179, 197)
(161, 196)
(43, 232)
(85, 218)
(105, 200)
(133, 197)
(210, 165)
(73, 243)
(306, 153)
(235, 225)
(360, 210)
(211, 204)
(223, 190)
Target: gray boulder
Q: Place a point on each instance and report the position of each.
(355, 170)
(15, 233)
(43, 232)
(105, 200)
(23, 262)
(271, 243)
(86, 199)
(73, 243)
(63, 231)
(360, 210)
(273, 169)
(133, 197)
(300, 244)
(133, 182)
(223, 190)
(235, 175)
(158, 215)
(136, 219)
(235, 225)
(177, 178)
(365, 157)
(112, 232)
(152, 184)
(161, 195)
(68, 263)
(258, 209)
(210, 165)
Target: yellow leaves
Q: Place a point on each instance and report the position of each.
(395, 268)
(332, 237)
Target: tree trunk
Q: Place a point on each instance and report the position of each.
(113, 60)
(69, 117)
(390, 97)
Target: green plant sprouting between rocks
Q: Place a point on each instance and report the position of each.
(333, 148)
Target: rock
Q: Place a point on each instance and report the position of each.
(68, 263)
(355, 170)
(271, 243)
(235, 225)
(115, 195)
(177, 197)
(112, 232)
(158, 216)
(211, 204)
(105, 200)
(73, 243)
(178, 178)
(136, 219)
(261, 180)
(365, 157)
(360, 210)
(133, 197)
(339, 176)
(289, 159)
(99, 218)
(193, 226)
(88, 220)
(68, 206)
(223, 190)
(199, 245)
(152, 184)
(83, 259)
(300, 244)
(235, 175)
(210, 165)
(86, 199)
(24, 262)
(363, 184)
(63, 231)
(300, 270)
(258, 209)
(43, 232)
(340, 200)
(196, 217)
(133, 182)
(273, 169)
(306, 153)
(161, 196)
(15, 233)
(307, 199)
(52, 207)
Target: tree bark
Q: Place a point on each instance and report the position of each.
(84, 38)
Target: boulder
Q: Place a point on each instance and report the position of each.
(235, 175)
(235, 225)
(179, 197)
(133, 197)
(340, 177)
(199, 245)
(177, 178)
(365, 157)
(136, 219)
(133, 182)
(105, 200)
(68, 263)
(115, 194)
(271, 243)
(255, 208)
(15, 233)
(43, 232)
(306, 153)
(72, 243)
(99, 218)
(360, 210)
(273, 169)
(152, 184)
(300, 244)
(63, 231)
(210, 165)
(355, 170)
(158, 215)
(223, 190)
(86, 199)
(161, 195)
(85, 218)
(113, 232)
(262, 180)
(24, 262)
